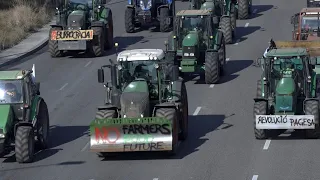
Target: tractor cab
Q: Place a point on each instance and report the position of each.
(306, 24)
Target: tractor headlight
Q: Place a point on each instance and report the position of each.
(149, 5)
(191, 54)
(186, 54)
(142, 5)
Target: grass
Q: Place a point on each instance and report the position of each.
(19, 18)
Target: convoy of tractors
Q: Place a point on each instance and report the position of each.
(146, 103)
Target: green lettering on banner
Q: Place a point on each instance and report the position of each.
(137, 138)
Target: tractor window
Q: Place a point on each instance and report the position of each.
(78, 5)
(139, 69)
(309, 23)
(192, 23)
(11, 92)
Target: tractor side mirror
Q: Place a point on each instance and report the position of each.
(258, 62)
(100, 76)
(37, 88)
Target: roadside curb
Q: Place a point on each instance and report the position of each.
(27, 47)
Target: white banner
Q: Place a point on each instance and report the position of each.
(285, 122)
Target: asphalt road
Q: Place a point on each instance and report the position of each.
(221, 144)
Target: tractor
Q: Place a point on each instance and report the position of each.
(313, 3)
(81, 26)
(146, 105)
(24, 125)
(198, 44)
(144, 12)
(288, 91)
(306, 24)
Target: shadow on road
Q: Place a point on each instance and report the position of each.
(242, 32)
(67, 163)
(199, 126)
(283, 135)
(259, 9)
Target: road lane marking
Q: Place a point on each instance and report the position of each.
(211, 85)
(85, 147)
(196, 112)
(267, 144)
(255, 11)
(88, 64)
(65, 85)
(255, 177)
(155, 179)
(237, 42)
(246, 25)
(228, 59)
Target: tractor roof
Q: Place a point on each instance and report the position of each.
(310, 10)
(141, 55)
(11, 75)
(287, 52)
(202, 12)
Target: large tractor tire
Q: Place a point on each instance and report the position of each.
(312, 108)
(24, 144)
(164, 15)
(243, 9)
(222, 56)
(226, 28)
(129, 20)
(171, 114)
(233, 15)
(105, 114)
(43, 126)
(53, 45)
(259, 108)
(184, 120)
(212, 67)
(109, 34)
(98, 41)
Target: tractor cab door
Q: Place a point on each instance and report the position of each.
(295, 22)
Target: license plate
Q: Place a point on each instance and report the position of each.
(71, 35)
(285, 122)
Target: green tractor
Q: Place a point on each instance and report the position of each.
(82, 26)
(288, 92)
(24, 122)
(146, 106)
(198, 44)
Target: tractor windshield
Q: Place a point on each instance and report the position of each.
(11, 91)
(309, 23)
(139, 69)
(78, 4)
(192, 23)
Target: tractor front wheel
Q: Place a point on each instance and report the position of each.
(312, 108)
(53, 44)
(24, 144)
(129, 20)
(97, 42)
(226, 27)
(164, 15)
(212, 67)
(170, 114)
(222, 56)
(184, 121)
(260, 108)
(233, 16)
(43, 126)
(243, 9)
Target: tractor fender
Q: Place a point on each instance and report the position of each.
(164, 105)
(130, 6)
(225, 16)
(22, 123)
(211, 50)
(35, 113)
(56, 26)
(162, 6)
(97, 24)
(310, 99)
(107, 106)
(260, 99)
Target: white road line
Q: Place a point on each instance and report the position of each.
(227, 59)
(155, 179)
(246, 25)
(196, 112)
(255, 177)
(267, 144)
(85, 147)
(254, 11)
(237, 42)
(88, 63)
(66, 84)
(211, 85)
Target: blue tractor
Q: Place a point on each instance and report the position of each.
(145, 12)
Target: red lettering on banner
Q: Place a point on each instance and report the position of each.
(104, 135)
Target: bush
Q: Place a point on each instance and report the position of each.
(19, 18)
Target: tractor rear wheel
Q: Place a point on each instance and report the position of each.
(259, 108)
(43, 126)
(98, 42)
(24, 144)
(164, 15)
(233, 16)
(226, 28)
(212, 67)
(184, 121)
(53, 45)
(243, 9)
(170, 114)
(105, 114)
(129, 20)
(222, 56)
(312, 108)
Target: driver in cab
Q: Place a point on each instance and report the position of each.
(10, 93)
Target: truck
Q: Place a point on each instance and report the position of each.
(146, 105)
(24, 124)
(288, 95)
(81, 26)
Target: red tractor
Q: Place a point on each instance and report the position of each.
(306, 24)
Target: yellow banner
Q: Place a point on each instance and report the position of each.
(313, 47)
(71, 35)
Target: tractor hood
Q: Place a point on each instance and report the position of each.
(4, 117)
(135, 99)
(76, 19)
(191, 39)
(286, 86)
